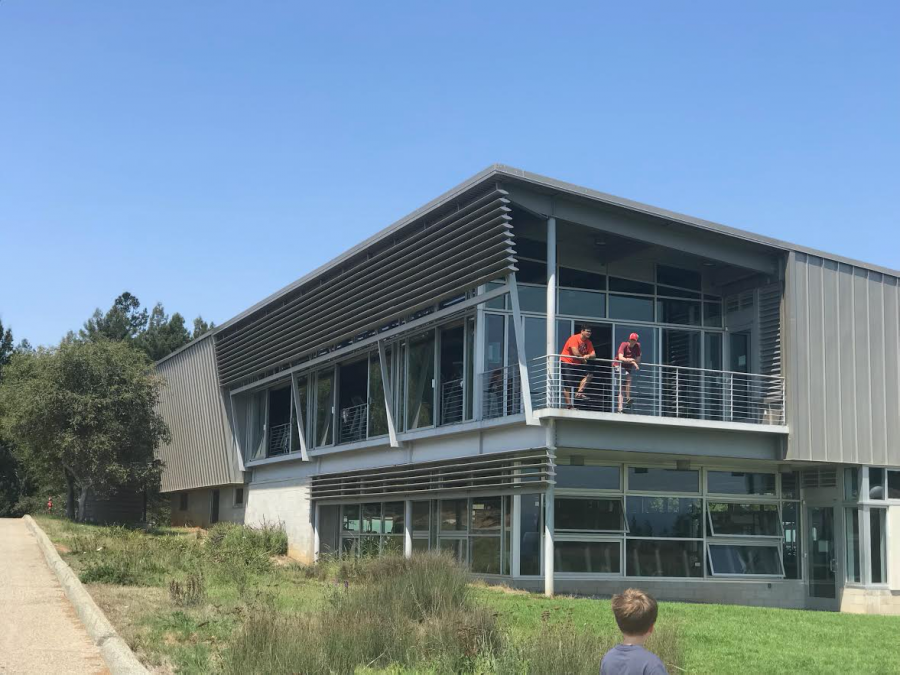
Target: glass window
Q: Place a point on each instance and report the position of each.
(790, 549)
(580, 279)
(486, 555)
(377, 412)
(877, 553)
(630, 307)
(712, 314)
(420, 385)
(458, 548)
(740, 483)
(646, 479)
(630, 286)
(420, 545)
(675, 276)
(350, 518)
(736, 559)
(531, 272)
(790, 485)
(453, 515)
(531, 248)
(749, 520)
(393, 517)
(893, 484)
(486, 514)
(530, 535)
(533, 298)
(494, 342)
(587, 476)
(302, 395)
(257, 426)
(589, 515)
(851, 484)
(664, 517)
(371, 518)
(581, 303)
(589, 557)
(677, 292)
(324, 408)
(369, 546)
(876, 483)
(663, 558)
(685, 312)
(501, 302)
(421, 513)
(851, 522)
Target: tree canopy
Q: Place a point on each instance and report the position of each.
(85, 411)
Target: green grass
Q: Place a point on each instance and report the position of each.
(252, 594)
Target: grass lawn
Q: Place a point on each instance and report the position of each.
(133, 571)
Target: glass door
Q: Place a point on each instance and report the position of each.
(822, 559)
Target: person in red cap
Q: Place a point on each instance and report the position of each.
(629, 357)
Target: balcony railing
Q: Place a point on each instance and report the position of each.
(501, 392)
(657, 390)
(279, 440)
(451, 401)
(353, 423)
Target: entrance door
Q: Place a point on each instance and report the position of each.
(214, 508)
(822, 568)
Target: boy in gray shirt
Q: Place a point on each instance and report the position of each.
(635, 612)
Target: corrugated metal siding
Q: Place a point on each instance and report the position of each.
(456, 249)
(843, 368)
(201, 453)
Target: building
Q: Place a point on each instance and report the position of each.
(377, 404)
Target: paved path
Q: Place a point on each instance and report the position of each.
(39, 630)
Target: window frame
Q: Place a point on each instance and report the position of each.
(779, 557)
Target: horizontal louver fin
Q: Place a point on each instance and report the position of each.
(423, 264)
(498, 473)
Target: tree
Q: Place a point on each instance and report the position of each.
(6, 345)
(125, 320)
(163, 335)
(201, 327)
(86, 412)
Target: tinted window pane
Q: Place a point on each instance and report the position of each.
(458, 548)
(790, 485)
(630, 286)
(531, 272)
(371, 518)
(660, 558)
(712, 314)
(685, 312)
(530, 535)
(453, 515)
(877, 556)
(420, 514)
(393, 518)
(496, 303)
(531, 248)
(790, 521)
(589, 515)
(324, 407)
(668, 291)
(665, 480)
(595, 557)
(851, 533)
(486, 555)
(759, 520)
(740, 483)
(486, 514)
(420, 389)
(350, 518)
(744, 559)
(630, 307)
(664, 517)
(893, 484)
(533, 298)
(591, 477)
(582, 303)
(675, 276)
(876, 483)
(579, 278)
(420, 545)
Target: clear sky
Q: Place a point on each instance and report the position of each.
(205, 153)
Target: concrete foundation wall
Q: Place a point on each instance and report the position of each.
(272, 500)
(200, 507)
(870, 601)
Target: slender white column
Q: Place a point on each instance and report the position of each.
(549, 526)
(316, 539)
(407, 529)
(551, 312)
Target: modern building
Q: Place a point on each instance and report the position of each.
(409, 395)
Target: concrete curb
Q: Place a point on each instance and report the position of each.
(115, 651)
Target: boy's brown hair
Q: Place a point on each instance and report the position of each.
(635, 611)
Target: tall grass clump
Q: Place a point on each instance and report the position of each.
(415, 613)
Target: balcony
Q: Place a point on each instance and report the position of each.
(657, 390)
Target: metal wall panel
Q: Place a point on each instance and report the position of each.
(432, 259)
(843, 362)
(201, 453)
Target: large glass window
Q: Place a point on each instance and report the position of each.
(589, 304)
(454, 515)
(740, 483)
(851, 530)
(877, 548)
(649, 479)
(851, 484)
(580, 279)
(732, 559)
(790, 523)
(377, 412)
(663, 558)
(589, 515)
(420, 384)
(671, 310)
(324, 408)
(530, 525)
(676, 276)
(876, 483)
(746, 520)
(664, 517)
(588, 557)
(630, 307)
(586, 476)
(893, 484)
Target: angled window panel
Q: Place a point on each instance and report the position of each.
(736, 519)
(745, 560)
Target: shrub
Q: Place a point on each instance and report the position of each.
(110, 572)
(188, 593)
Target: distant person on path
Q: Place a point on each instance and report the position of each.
(635, 612)
(575, 353)
(629, 356)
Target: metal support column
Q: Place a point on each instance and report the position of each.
(317, 543)
(549, 527)
(407, 529)
(550, 395)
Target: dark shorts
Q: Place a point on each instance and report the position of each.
(573, 374)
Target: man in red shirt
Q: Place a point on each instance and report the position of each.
(629, 356)
(577, 350)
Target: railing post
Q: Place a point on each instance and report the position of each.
(677, 395)
(551, 311)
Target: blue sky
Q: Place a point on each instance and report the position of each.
(206, 153)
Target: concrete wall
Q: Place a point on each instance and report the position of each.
(870, 601)
(200, 506)
(275, 499)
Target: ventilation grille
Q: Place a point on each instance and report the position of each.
(739, 302)
(497, 473)
(819, 478)
(770, 329)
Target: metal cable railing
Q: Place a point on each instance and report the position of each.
(659, 390)
(279, 440)
(353, 423)
(501, 392)
(452, 401)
